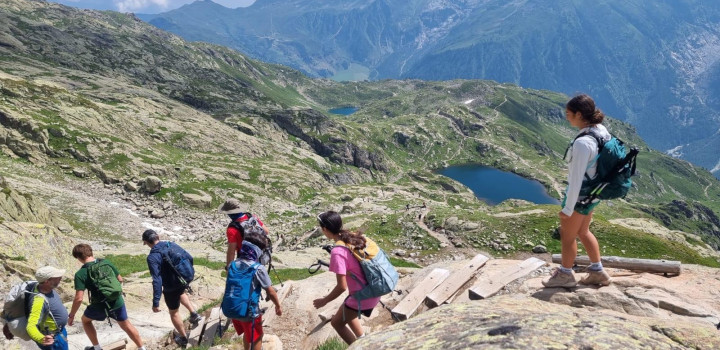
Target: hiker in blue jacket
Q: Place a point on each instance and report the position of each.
(166, 281)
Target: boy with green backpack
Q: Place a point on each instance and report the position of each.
(102, 279)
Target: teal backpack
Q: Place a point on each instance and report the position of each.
(615, 166)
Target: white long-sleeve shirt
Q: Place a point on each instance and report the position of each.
(581, 158)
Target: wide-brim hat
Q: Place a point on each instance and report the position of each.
(231, 206)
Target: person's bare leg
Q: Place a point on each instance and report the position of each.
(89, 330)
(185, 301)
(588, 239)
(177, 322)
(338, 323)
(569, 229)
(354, 323)
(131, 332)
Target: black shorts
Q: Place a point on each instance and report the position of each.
(365, 313)
(172, 298)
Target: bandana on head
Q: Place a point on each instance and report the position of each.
(249, 251)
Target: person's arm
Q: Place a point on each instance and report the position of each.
(77, 301)
(230, 255)
(581, 153)
(339, 289)
(34, 318)
(274, 297)
(154, 262)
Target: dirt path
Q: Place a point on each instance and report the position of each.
(439, 237)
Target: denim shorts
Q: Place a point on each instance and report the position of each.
(584, 209)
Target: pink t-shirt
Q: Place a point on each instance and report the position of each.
(342, 262)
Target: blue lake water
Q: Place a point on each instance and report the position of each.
(493, 186)
(344, 110)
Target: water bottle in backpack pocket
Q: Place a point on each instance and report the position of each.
(241, 301)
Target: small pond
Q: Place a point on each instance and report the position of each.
(493, 186)
(344, 110)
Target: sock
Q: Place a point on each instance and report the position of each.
(362, 335)
(97, 347)
(566, 270)
(193, 314)
(596, 266)
(142, 348)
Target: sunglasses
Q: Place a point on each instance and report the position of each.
(320, 221)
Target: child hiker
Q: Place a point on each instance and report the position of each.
(243, 273)
(342, 263)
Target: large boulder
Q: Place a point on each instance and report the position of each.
(201, 200)
(152, 184)
(521, 322)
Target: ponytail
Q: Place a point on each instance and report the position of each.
(586, 106)
(333, 222)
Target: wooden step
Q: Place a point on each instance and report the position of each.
(644, 265)
(457, 279)
(412, 301)
(489, 285)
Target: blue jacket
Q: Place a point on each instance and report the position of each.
(164, 278)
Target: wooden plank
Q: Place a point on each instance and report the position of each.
(117, 345)
(452, 284)
(645, 265)
(412, 301)
(488, 285)
(211, 327)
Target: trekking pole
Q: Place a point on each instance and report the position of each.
(272, 267)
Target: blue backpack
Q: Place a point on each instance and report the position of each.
(180, 261)
(378, 271)
(241, 301)
(615, 166)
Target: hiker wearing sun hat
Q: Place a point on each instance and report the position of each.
(48, 316)
(240, 220)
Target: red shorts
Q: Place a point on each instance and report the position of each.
(246, 327)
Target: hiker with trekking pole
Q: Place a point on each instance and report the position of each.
(362, 268)
(599, 168)
(171, 268)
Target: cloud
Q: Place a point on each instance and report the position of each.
(135, 5)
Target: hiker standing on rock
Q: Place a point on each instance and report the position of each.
(102, 279)
(343, 263)
(48, 316)
(575, 217)
(240, 218)
(167, 282)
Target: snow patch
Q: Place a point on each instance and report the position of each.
(716, 168)
(469, 101)
(132, 213)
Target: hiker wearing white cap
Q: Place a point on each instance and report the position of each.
(48, 316)
(240, 218)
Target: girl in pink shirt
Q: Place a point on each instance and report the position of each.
(349, 277)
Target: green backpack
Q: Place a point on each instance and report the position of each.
(106, 283)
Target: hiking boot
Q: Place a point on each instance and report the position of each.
(89, 347)
(181, 341)
(596, 277)
(195, 319)
(560, 279)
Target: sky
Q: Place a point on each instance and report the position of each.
(144, 6)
